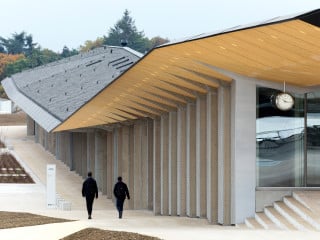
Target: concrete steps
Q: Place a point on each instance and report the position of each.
(265, 221)
(278, 219)
(304, 212)
(300, 212)
(253, 223)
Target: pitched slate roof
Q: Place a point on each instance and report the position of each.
(52, 92)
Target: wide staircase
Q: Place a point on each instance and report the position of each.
(301, 211)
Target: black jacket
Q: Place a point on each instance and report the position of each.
(120, 191)
(90, 188)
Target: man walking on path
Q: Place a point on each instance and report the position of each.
(89, 190)
(120, 191)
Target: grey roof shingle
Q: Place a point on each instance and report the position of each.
(62, 87)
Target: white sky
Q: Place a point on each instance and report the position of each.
(55, 23)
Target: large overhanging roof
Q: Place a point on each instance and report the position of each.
(283, 49)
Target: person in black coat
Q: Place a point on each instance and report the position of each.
(120, 191)
(89, 191)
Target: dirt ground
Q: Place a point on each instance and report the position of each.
(11, 171)
(14, 119)
(98, 234)
(18, 219)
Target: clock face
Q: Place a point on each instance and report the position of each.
(284, 101)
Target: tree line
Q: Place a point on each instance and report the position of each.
(20, 52)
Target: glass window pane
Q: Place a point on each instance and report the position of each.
(313, 140)
(279, 141)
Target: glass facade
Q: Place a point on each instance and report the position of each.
(286, 156)
(313, 140)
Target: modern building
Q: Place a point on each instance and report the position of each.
(6, 106)
(214, 126)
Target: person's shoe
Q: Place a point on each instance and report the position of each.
(89, 217)
(120, 214)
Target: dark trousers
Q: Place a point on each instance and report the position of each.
(89, 200)
(120, 206)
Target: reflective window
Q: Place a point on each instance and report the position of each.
(313, 139)
(279, 141)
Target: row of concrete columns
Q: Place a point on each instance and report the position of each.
(177, 164)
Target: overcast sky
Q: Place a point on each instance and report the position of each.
(55, 23)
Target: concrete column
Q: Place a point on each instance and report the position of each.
(172, 150)
(100, 156)
(181, 162)
(119, 144)
(201, 154)
(156, 166)
(125, 159)
(30, 126)
(224, 157)
(51, 142)
(144, 165)
(83, 147)
(57, 150)
(77, 152)
(212, 156)
(36, 133)
(110, 179)
(164, 155)
(65, 146)
(150, 163)
(243, 149)
(115, 158)
(91, 151)
(104, 185)
(45, 139)
(130, 182)
(137, 166)
(191, 160)
(125, 149)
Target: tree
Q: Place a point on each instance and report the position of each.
(157, 41)
(2, 50)
(6, 59)
(125, 31)
(18, 43)
(66, 52)
(89, 45)
(37, 57)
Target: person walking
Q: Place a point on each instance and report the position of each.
(89, 191)
(120, 191)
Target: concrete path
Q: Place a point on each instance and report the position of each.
(32, 198)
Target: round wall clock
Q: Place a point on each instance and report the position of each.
(284, 101)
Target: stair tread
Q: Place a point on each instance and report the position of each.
(294, 216)
(267, 223)
(253, 223)
(242, 226)
(299, 205)
(310, 199)
(280, 218)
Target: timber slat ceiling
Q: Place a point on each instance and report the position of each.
(174, 74)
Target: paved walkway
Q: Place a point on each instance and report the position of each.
(32, 198)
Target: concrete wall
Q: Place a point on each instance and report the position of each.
(30, 126)
(243, 149)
